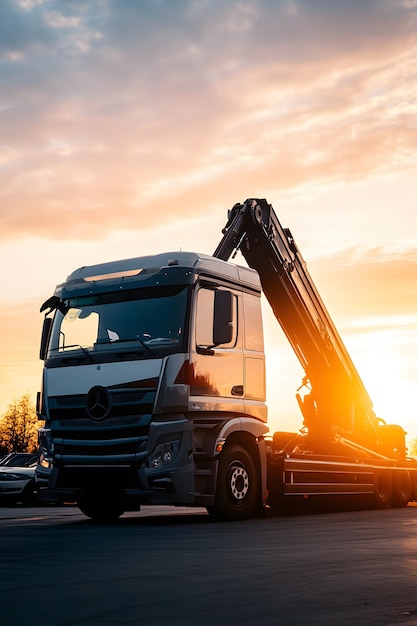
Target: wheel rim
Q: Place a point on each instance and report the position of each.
(239, 482)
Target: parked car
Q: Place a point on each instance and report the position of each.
(18, 459)
(17, 484)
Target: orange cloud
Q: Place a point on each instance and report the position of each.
(361, 283)
(110, 107)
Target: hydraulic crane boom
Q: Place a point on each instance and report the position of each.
(337, 402)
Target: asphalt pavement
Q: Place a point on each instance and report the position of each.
(168, 566)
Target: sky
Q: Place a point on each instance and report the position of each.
(130, 127)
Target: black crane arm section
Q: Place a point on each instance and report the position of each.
(337, 401)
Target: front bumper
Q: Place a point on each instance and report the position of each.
(164, 474)
(135, 486)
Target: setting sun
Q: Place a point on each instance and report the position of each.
(385, 363)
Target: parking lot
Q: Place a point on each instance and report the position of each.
(173, 566)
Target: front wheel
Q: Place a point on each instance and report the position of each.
(237, 485)
(101, 510)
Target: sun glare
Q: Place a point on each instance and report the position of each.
(384, 361)
(383, 353)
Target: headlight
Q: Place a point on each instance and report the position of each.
(163, 454)
(43, 459)
(46, 448)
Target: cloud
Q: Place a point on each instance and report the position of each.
(374, 285)
(20, 367)
(109, 106)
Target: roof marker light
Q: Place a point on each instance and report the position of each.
(122, 274)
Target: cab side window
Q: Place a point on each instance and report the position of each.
(205, 320)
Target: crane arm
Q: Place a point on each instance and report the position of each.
(337, 400)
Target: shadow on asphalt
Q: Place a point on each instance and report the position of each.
(181, 516)
(294, 508)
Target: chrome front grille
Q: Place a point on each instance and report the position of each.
(117, 438)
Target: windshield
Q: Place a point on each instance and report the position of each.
(148, 322)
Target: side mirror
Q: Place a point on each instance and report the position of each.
(223, 317)
(46, 330)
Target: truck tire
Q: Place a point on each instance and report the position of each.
(401, 488)
(413, 476)
(101, 510)
(382, 488)
(237, 485)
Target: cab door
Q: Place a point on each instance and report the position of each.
(216, 357)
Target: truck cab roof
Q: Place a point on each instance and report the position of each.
(167, 268)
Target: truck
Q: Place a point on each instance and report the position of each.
(154, 386)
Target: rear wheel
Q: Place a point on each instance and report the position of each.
(237, 485)
(401, 488)
(101, 510)
(413, 476)
(382, 488)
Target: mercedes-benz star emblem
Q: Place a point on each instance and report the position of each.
(98, 403)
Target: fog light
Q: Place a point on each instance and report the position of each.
(163, 454)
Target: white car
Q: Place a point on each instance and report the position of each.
(19, 459)
(17, 484)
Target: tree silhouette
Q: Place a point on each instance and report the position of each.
(413, 448)
(19, 427)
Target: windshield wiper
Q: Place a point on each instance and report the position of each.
(134, 339)
(76, 345)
